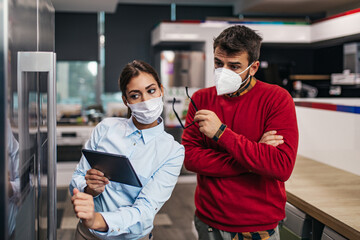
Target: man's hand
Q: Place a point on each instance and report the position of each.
(95, 181)
(208, 121)
(271, 138)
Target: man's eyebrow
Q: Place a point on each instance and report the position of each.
(232, 63)
(235, 63)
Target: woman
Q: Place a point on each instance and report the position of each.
(113, 210)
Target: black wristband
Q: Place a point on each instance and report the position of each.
(219, 132)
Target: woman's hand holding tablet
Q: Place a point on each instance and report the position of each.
(109, 166)
(96, 182)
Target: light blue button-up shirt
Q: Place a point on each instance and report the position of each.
(157, 159)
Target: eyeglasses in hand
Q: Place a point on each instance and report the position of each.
(177, 116)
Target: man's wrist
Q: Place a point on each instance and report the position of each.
(219, 132)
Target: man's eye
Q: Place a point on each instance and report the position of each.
(218, 64)
(234, 67)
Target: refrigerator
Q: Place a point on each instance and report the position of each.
(179, 69)
(27, 120)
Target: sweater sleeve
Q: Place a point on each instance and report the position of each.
(203, 159)
(260, 158)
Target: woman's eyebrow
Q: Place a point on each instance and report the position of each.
(150, 86)
(138, 91)
(134, 91)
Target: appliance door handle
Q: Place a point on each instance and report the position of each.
(44, 62)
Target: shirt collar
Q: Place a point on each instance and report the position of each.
(146, 134)
(248, 85)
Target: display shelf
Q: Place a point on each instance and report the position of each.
(272, 32)
(309, 77)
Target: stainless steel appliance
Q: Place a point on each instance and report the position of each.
(182, 68)
(179, 69)
(352, 57)
(28, 120)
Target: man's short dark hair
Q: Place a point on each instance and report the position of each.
(238, 39)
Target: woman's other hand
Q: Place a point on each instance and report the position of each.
(96, 182)
(84, 209)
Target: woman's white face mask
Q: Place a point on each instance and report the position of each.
(147, 112)
(227, 81)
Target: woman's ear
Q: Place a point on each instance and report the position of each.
(124, 100)
(126, 104)
(162, 90)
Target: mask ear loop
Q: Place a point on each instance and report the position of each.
(247, 68)
(243, 83)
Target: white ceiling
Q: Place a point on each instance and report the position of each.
(273, 7)
(85, 5)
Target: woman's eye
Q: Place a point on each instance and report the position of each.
(151, 91)
(134, 96)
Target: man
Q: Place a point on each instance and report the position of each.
(241, 164)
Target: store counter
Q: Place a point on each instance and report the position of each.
(328, 194)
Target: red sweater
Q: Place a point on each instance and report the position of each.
(240, 181)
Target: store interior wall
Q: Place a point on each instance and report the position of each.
(285, 60)
(127, 37)
(128, 32)
(76, 36)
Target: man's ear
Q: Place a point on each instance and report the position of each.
(124, 100)
(254, 68)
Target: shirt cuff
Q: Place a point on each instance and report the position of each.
(80, 184)
(114, 229)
